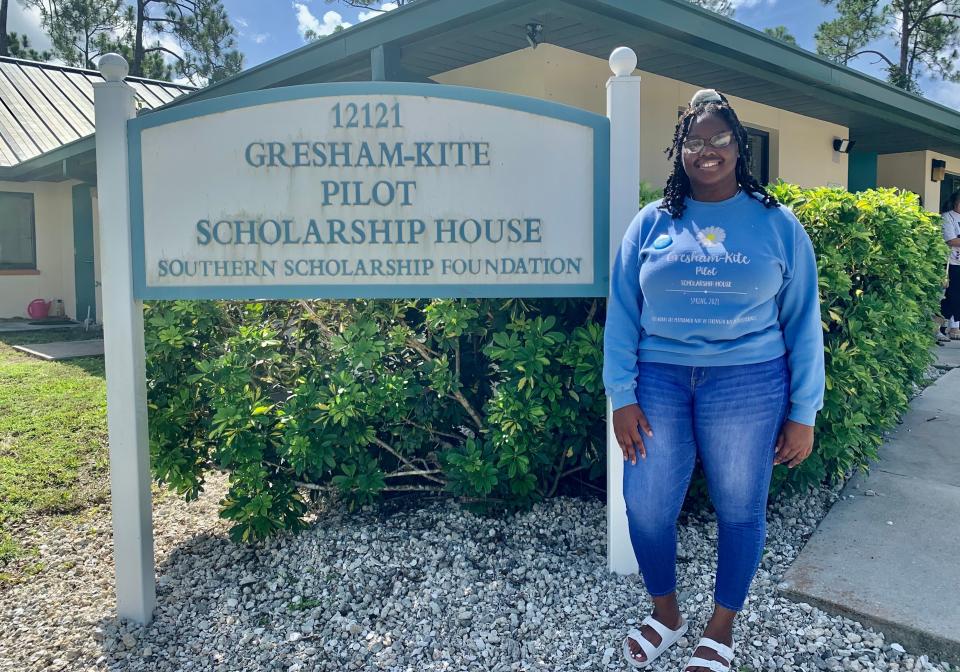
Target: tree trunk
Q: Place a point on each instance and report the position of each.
(136, 68)
(905, 32)
(4, 48)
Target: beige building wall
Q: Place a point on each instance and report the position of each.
(801, 148)
(54, 277)
(905, 171)
(913, 171)
(933, 188)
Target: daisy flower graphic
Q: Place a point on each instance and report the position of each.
(712, 235)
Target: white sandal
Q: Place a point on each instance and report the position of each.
(668, 638)
(725, 652)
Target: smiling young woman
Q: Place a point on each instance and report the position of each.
(713, 349)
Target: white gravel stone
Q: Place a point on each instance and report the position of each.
(410, 587)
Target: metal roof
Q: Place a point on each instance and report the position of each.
(44, 107)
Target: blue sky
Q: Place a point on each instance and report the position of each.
(269, 28)
(272, 27)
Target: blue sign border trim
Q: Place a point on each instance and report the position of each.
(601, 195)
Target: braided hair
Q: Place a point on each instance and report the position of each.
(678, 184)
(951, 202)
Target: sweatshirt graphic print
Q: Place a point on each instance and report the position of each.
(730, 282)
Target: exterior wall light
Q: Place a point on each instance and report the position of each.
(534, 33)
(938, 170)
(843, 146)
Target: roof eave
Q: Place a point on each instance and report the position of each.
(51, 166)
(756, 50)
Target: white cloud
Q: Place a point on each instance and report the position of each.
(307, 21)
(200, 82)
(737, 4)
(945, 93)
(241, 24)
(260, 38)
(371, 13)
(168, 41)
(27, 22)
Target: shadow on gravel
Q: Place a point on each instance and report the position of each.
(421, 580)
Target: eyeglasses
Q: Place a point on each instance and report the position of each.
(696, 145)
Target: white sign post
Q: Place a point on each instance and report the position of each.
(623, 109)
(348, 190)
(124, 353)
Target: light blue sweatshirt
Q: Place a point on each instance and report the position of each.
(730, 282)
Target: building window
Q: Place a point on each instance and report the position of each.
(18, 236)
(949, 186)
(759, 142)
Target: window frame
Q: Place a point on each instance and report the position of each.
(32, 266)
(764, 177)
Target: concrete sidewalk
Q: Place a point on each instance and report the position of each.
(58, 350)
(889, 557)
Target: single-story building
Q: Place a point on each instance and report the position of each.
(798, 106)
(48, 211)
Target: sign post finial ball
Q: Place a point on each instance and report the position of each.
(113, 67)
(623, 61)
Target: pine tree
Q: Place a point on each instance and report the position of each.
(4, 38)
(161, 39)
(370, 4)
(781, 33)
(77, 28)
(201, 31)
(925, 33)
(724, 7)
(19, 46)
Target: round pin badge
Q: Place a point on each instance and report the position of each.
(662, 241)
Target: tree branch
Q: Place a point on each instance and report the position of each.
(159, 48)
(559, 470)
(592, 311)
(434, 431)
(568, 472)
(317, 320)
(422, 350)
(392, 488)
(422, 472)
(387, 447)
(873, 51)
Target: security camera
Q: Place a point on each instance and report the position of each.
(534, 34)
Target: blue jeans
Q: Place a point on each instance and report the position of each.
(730, 416)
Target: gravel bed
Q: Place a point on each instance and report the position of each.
(409, 587)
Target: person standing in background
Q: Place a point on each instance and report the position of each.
(950, 306)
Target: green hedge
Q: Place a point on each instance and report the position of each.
(881, 259)
(498, 402)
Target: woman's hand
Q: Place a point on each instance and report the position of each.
(627, 423)
(794, 444)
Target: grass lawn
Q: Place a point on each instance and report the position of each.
(53, 436)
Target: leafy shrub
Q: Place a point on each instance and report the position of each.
(880, 258)
(495, 401)
(498, 402)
